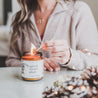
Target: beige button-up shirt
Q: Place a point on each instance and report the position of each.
(71, 21)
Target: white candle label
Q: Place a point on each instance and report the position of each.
(32, 69)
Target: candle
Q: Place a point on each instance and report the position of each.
(32, 65)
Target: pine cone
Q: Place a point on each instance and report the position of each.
(84, 87)
(91, 75)
(74, 88)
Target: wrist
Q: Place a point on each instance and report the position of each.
(69, 57)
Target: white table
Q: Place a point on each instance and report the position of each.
(12, 85)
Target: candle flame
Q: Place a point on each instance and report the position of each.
(33, 49)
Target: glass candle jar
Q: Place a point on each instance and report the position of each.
(32, 67)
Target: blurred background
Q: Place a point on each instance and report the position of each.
(7, 9)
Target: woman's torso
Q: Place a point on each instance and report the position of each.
(59, 27)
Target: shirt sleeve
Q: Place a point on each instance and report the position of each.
(86, 52)
(15, 52)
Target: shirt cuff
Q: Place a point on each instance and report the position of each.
(75, 62)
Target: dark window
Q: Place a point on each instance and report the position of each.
(7, 8)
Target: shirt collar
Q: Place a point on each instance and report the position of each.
(63, 5)
(60, 7)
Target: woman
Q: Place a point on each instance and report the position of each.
(67, 28)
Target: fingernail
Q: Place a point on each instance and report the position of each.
(51, 70)
(44, 69)
(44, 48)
(58, 69)
(52, 52)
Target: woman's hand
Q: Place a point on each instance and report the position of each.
(59, 50)
(51, 65)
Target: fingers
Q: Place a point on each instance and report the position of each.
(58, 54)
(47, 66)
(61, 60)
(51, 65)
(44, 68)
(59, 51)
(55, 46)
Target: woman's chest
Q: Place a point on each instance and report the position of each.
(57, 28)
(41, 26)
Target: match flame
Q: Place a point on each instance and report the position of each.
(33, 49)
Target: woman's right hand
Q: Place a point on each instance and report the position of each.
(51, 65)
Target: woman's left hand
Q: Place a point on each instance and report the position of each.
(59, 50)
